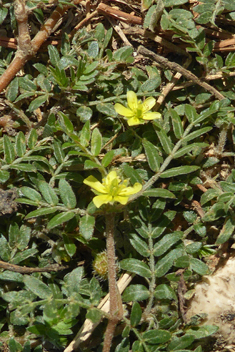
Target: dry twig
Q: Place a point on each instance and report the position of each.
(176, 67)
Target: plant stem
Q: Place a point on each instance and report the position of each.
(115, 308)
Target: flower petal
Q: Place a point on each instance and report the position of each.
(148, 104)
(133, 121)
(132, 100)
(122, 110)
(121, 199)
(94, 183)
(128, 191)
(103, 199)
(152, 115)
(110, 177)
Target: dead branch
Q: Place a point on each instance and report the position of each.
(176, 67)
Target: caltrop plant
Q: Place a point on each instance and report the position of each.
(91, 172)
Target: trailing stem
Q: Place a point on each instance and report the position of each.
(115, 309)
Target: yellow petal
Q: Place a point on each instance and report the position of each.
(148, 104)
(132, 100)
(94, 183)
(133, 121)
(152, 115)
(110, 177)
(122, 110)
(128, 191)
(121, 199)
(100, 200)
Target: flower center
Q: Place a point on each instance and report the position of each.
(139, 112)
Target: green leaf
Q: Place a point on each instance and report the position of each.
(165, 263)
(136, 313)
(4, 176)
(59, 153)
(135, 293)
(31, 194)
(69, 245)
(177, 124)
(37, 287)
(14, 346)
(164, 291)
(11, 276)
(137, 346)
(24, 167)
(94, 315)
(165, 141)
(3, 14)
(165, 220)
(85, 134)
(26, 201)
(140, 246)
(53, 55)
(40, 212)
(182, 262)
(23, 240)
(96, 142)
(12, 89)
(153, 15)
(65, 123)
(86, 226)
(107, 159)
(159, 193)
(135, 266)
(200, 332)
(197, 133)
(5, 253)
(89, 164)
(41, 68)
(230, 60)
(85, 113)
(199, 267)
(48, 193)
(190, 112)
(166, 242)
(32, 138)
(152, 154)
(154, 337)
(108, 36)
(67, 195)
(169, 3)
(226, 231)
(209, 195)
(60, 219)
(21, 256)
(36, 103)
(131, 173)
(123, 54)
(14, 233)
(9, 152)
(20, 144)
(93, 49)
(73, 280)
(188, 148)
(181, 170)
(106, 109)
(181, 342)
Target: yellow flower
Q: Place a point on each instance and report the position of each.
(111, 189)
(137, 112)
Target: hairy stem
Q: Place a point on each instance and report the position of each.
(115, 308)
